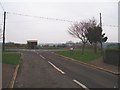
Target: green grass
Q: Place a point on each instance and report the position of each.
(11, 58)
(10, 50)
(77, 55)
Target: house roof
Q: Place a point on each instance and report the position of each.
(31, 40)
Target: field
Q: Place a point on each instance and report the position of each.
(77, 55)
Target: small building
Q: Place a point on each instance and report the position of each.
(32, 44)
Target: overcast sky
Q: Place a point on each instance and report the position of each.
(22, 28)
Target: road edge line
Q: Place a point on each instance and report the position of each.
(116, 73)
(12, 81)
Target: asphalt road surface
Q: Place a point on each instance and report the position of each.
(43, 69)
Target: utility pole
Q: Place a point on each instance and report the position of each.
(3, 46)
(101, 33)
(100, 20)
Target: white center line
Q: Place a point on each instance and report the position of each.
(83, 86)
(42, 57)
(56, 67)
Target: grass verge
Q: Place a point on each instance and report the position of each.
(77, 55)
(11, 58)
(10, 50)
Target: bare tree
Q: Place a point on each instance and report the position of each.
(79, 30)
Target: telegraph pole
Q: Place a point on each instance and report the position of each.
(3, 46)
(100, 20)
(101, 33)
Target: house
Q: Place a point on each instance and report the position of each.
(32, 44)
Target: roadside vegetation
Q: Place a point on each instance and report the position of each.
(11, 57)
(77, 54)
(88, 31)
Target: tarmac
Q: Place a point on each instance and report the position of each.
(9, 72)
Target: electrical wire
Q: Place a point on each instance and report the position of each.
(110, 25)
(47, 18)
(2, 6)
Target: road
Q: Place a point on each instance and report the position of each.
(43, 69)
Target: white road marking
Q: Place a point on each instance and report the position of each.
(42, 57)
(83, 86)
(56, 67)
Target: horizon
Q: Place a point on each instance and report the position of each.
(54, 43)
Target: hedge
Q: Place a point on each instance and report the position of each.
(112, 56)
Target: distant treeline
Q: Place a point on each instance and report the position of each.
(15, 45)
(62, 45)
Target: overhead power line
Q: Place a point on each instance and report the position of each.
(40, 17)
(2, 6)
(111, 25)
(47, 18)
